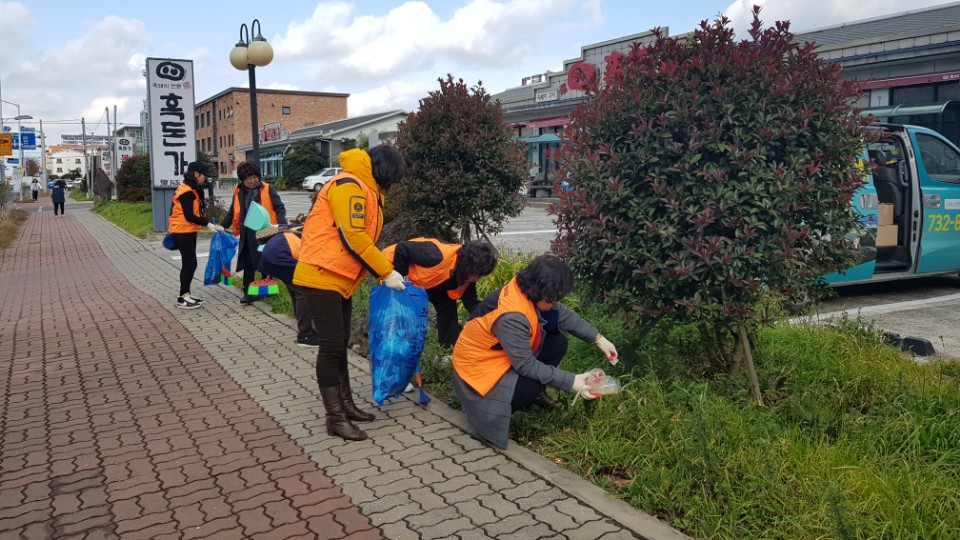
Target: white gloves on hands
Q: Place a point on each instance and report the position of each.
(580, 386)
(395, 281)
(214, 227)
(607, 348)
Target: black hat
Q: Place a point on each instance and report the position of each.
(198, 167)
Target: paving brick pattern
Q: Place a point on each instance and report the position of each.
(418, 476)
(117, 423)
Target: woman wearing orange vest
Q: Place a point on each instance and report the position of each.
(337, 249)
(448, 272)
(507, 353)
(251, 189)
(186, 220)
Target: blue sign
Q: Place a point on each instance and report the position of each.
(29, 140)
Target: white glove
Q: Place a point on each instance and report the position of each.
(607, 348)
(214, 227)
(580, 386)
(395, 281)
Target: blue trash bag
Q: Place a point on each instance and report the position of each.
(398, 329)
(223, 246)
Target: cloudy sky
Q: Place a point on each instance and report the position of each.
(62, 61)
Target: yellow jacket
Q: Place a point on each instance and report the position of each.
(340, 234)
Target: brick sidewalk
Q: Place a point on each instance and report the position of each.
(236, 377)
(118, 424)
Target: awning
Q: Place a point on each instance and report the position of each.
(548, 122)
(549, 137)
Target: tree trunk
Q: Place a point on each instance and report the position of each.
(748, 362)
(465, 231)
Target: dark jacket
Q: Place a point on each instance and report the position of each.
(57, 194)
(248, 258)
(277, 259)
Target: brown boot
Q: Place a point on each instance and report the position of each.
(337, 421)
(353, 413)
(545, 401)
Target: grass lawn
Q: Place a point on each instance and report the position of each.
(135, 218)
(10, 226)
(78, 195)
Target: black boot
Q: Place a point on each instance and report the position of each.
(337, 421)
(545, 401)
(353, 413)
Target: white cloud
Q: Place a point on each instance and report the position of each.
(396, 95)
(339, 47)
(815, 14)
(15, 22)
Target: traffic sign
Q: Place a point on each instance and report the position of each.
(29, 140)
(6, 144)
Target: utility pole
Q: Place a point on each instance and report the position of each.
(113, 153)
(86, 162)
(43, 156)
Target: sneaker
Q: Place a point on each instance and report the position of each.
(248, 299)
(187, 303)
(196, 299)
(311, 341)
(410, 388)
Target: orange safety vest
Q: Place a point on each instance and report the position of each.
(293, 240)
(430, 277)
(264, 200)
(479, 360)
(178, 222)
(321, 244)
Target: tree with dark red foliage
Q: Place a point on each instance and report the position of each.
(708, 172)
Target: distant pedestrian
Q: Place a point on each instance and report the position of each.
(448, 272)
(279, 260)
(59, 196)
(249, 190)
(186, 219)
(35, 188)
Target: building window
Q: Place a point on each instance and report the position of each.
(59, 160)
(223, 168)
(77, 160)
(59, 169)
(286, 110)
(208, 118)
(910, 95)
(196, 121)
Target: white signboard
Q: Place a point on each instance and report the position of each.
(546, 95)
(173, 137)
(105, 161)
(123, 151)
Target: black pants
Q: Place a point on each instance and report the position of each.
(332, 313)
(248, 258)
(301, 311)
(186, 243)
(527, 390)
(35, 195)
(448, 321)
(58, 205)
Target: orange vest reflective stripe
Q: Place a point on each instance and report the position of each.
(479, 360)
(264, 200)
(429, 278)
(178, 222)
(321, 244)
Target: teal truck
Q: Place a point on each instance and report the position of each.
(909, 207)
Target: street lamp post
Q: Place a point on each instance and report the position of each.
(247, 55)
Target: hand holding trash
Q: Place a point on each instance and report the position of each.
(394, 281)
(213, 227)
(581, 388)
(608, 350)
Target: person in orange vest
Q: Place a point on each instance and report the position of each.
(279, 260)
(507, 354)
(186, 220)
(448, 272)
(337, 250)
(251, 189)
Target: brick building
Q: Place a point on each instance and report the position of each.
(223, 121)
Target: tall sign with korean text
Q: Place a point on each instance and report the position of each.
(172, 132)
(123, 151)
